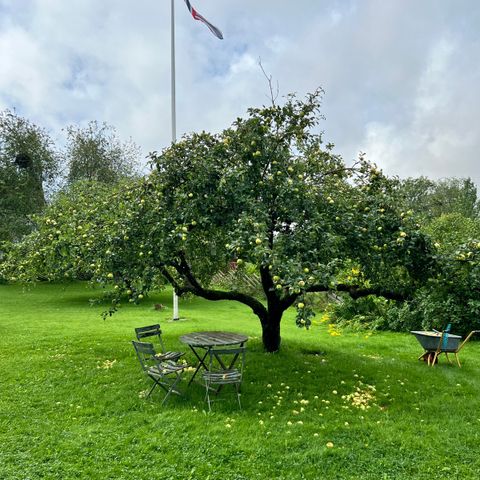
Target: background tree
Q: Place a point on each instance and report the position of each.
(430, 199)
(28, 167)
(96, 153)
(450, 231)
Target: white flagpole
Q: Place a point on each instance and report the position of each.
(174, 119)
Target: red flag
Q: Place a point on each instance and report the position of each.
(197, 16)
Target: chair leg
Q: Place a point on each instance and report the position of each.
(165, 398)
(237, 388)
(207, 397)
(175, 383)
(172, 388)
(167, 386)
(153, 386)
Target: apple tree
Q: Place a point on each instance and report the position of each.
(265, 193)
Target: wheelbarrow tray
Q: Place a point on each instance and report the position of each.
(429, 340)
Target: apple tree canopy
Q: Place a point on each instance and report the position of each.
(266, 192)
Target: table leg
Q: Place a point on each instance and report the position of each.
(200, 363)
(232, 363)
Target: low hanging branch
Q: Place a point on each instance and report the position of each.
(192, 285)
(357, 292)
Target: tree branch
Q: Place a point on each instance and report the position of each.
(192, 285)
(334, 171)
(357, 292)
(176, 286)
(273, 97)
(288, 301)
(210, 294)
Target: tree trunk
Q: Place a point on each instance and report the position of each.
(271, 332)
(270, 316)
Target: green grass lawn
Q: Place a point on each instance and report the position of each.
(71, 406)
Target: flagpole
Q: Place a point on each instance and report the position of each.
(174, 118)
(219, 35)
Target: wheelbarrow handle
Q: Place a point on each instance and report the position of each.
(467, 339)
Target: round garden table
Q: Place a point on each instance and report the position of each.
(202, 342)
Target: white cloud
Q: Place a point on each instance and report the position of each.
(401, 77)
(438, 137)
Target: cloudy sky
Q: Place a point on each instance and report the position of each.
(401, 77)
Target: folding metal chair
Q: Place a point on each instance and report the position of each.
(165, 374)
(219, 374)
(155, 331)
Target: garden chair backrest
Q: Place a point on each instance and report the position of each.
(220, 355)
(145, 354)
(150, 331)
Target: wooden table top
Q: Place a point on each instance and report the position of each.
(212, 339)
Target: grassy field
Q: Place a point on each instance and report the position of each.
(71, 403)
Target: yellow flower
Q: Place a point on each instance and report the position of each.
(325, 317)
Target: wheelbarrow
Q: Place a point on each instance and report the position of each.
(434, 343)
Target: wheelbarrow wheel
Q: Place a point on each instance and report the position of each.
(429, 358)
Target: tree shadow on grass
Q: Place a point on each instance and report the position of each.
(309, 371)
